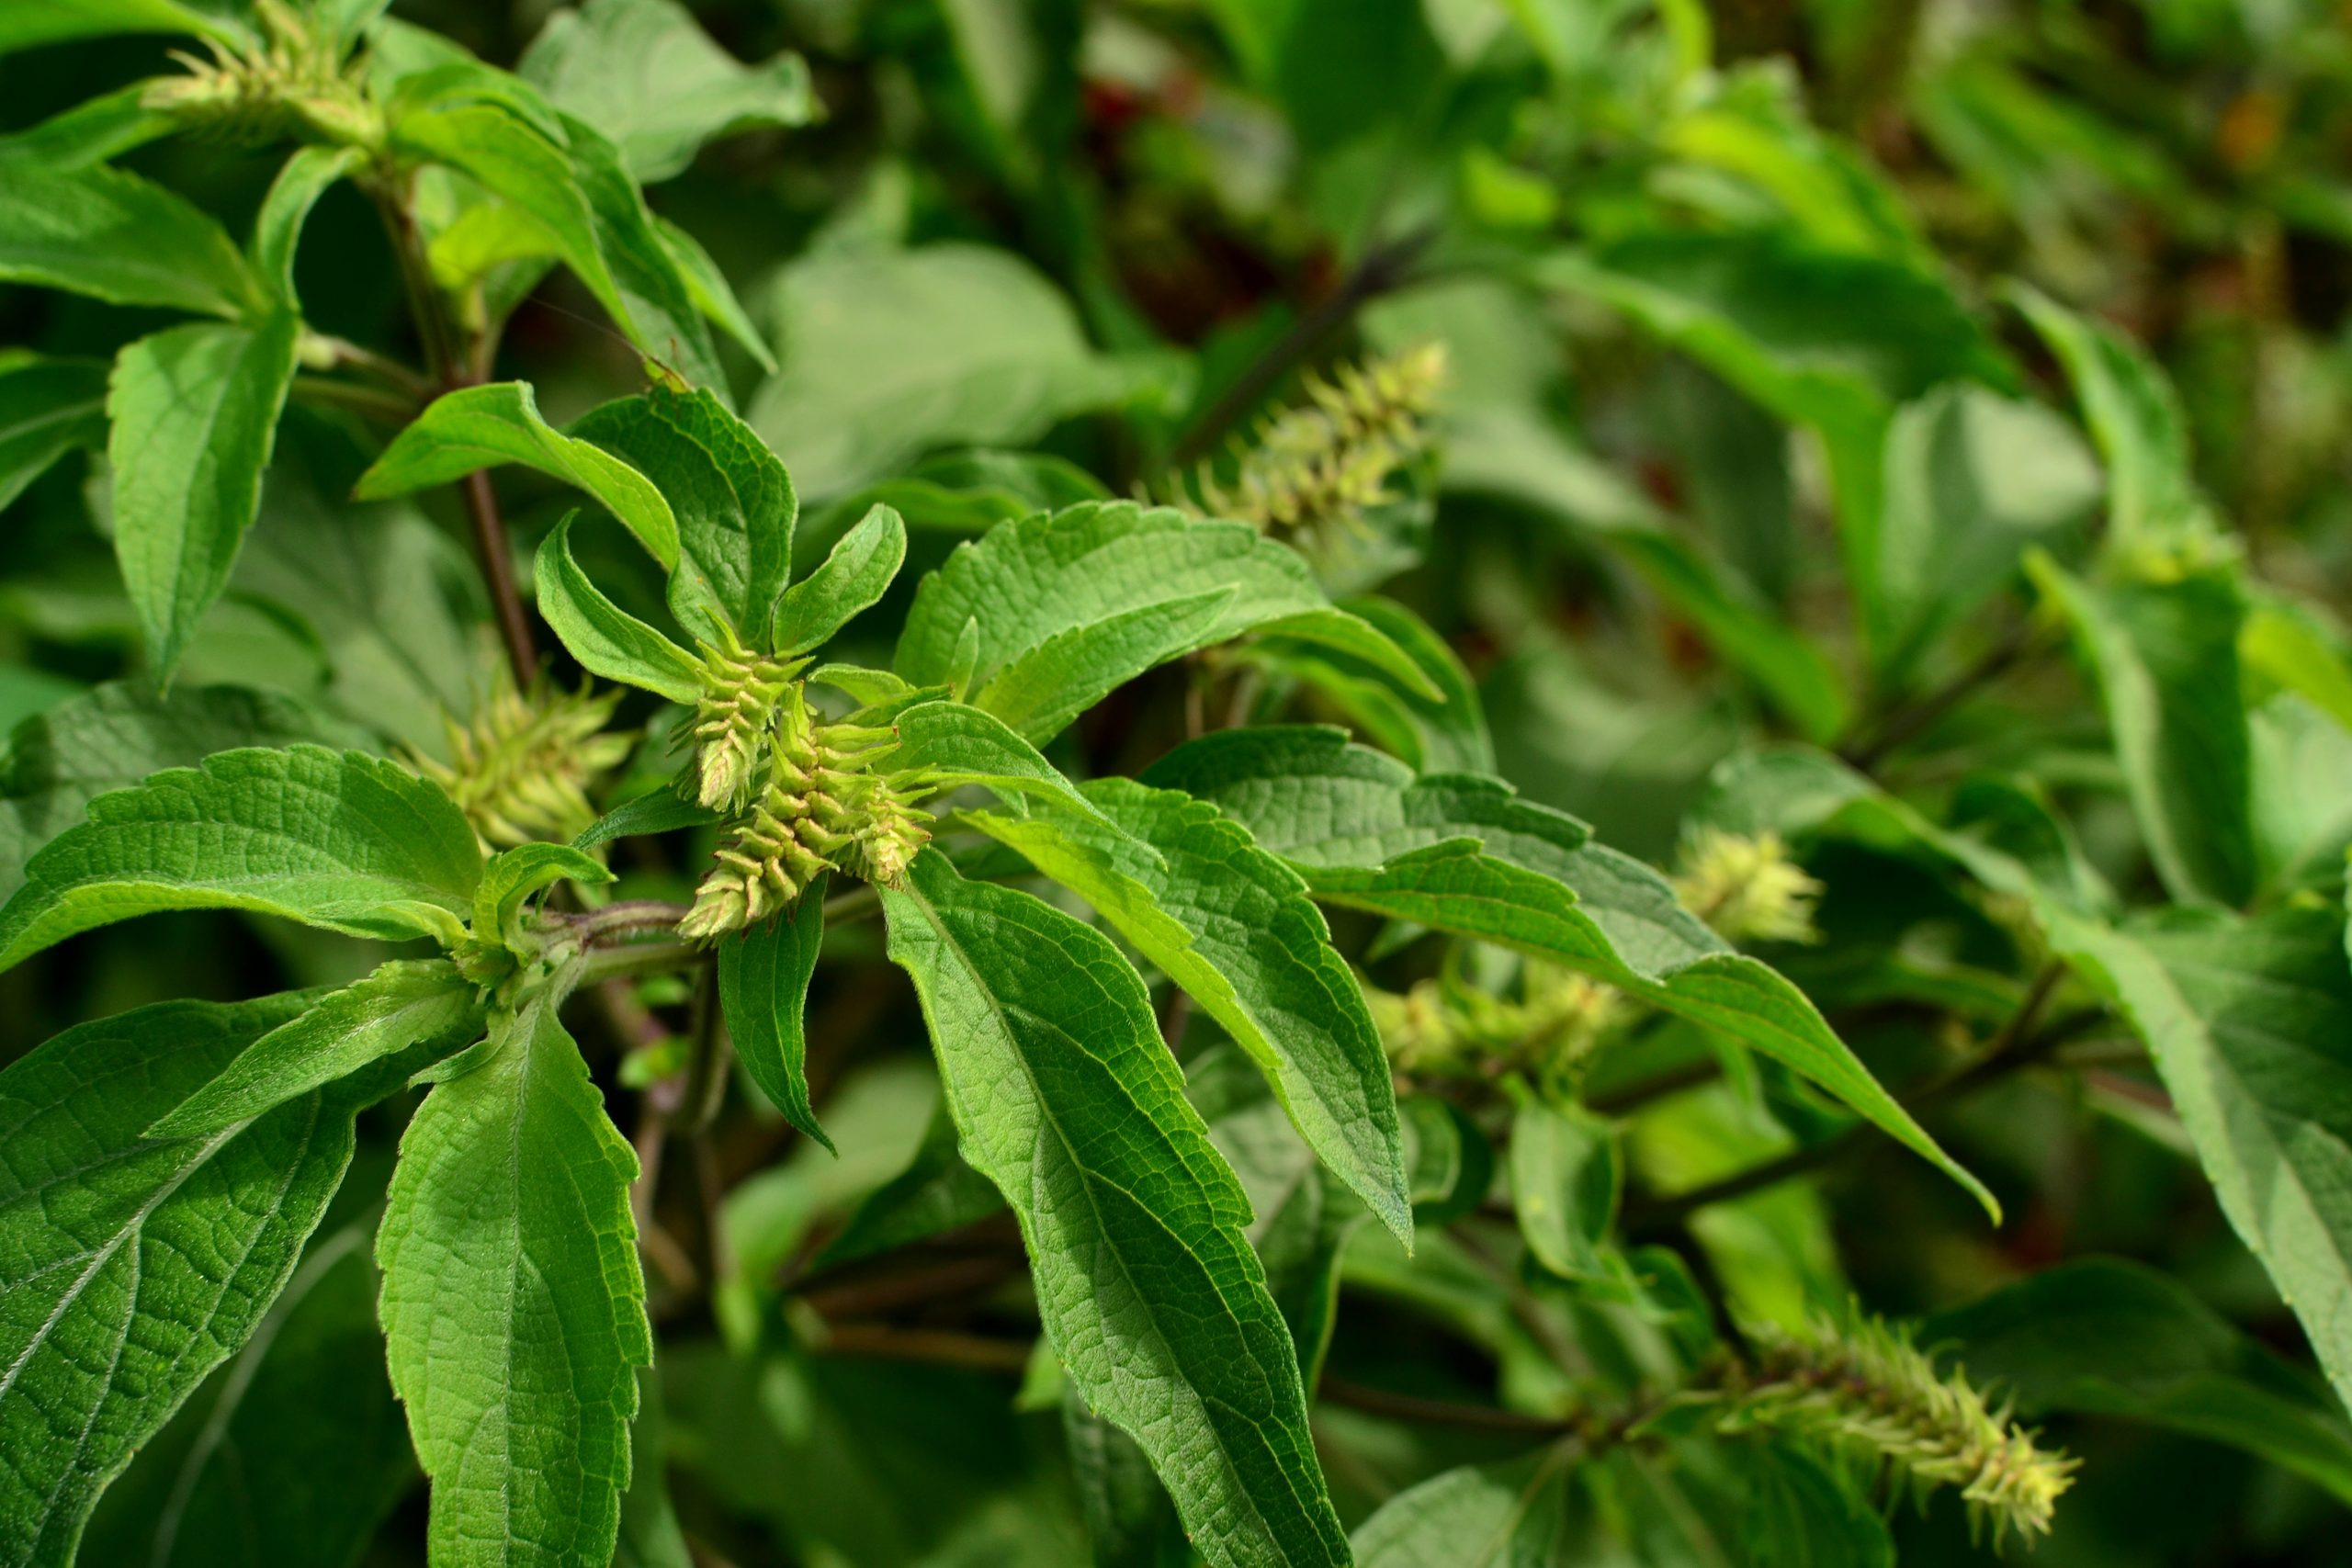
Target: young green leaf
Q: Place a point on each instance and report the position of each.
(48, 406)
(1463, 854)
(294, 1450)
(1072, 604)
(130, 1268)
(733, 501)
(194, 413)
(2166, 657)
(1503, 1516)
(1564, 1179)
(514, 1309)
(855, 575)
(763, 987)
(481, 428)
(424, 1005)
(342, 841)
(951, 745)
(712, 294)
(2238, 1014)
(1067, 1100)
(1439, 734)
(101, 232)
(1233, 926)
(278, 230)
(605, 638)
(659, 308)
(647, 75)
(659, 810)
(512, 875)
(2133, 415)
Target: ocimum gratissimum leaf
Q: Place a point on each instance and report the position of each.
(1065, 1098)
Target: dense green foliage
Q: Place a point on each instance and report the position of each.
(1272, 783)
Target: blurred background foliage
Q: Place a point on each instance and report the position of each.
(1798, 356)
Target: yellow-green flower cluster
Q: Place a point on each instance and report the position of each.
(802, 798)
(1865, 1389)
(523, 767)
(1747, 888)
(290, 82)
(1444, 1029)
(1332, 458)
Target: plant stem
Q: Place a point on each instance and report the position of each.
(449, 367)
(1441, 1412)
(628, 915)
(375, 402)
(1866, 750)
(641, 958)
(857, 904)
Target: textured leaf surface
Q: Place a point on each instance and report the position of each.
(1507, 1516)
(101, 232)
(195, 415)
(130, 1268)
(952, 744)
(605, 638)
(1067, 1100)
(645, 74)
(514, 1309)
(112, 736)
(855, 574)
(763, 987)
(342, 841)
(732, 499)
(294, 1452)
(48, 406)
(1233, 926)
(1072, 604)
(1463, 854)
(481, 428)
(2166, 657)
(886, 356)
(403, 1004)
(2247, 1019)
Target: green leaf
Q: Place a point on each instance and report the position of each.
(1067, 1100)
(712, 294)
(194, 413)
(1441, 733)
(2244, 1018)
(342, 841)
(2106, 1337)
(889, 355)
(2164, 655)
(1514, 455)
(659, 304)
(101, 232)
(605, 638)
(131, 1267)
(402, 1005)
(936, 1193)
(1972, 479)
(29, 22)
(294, 1452)
(113, 736)
(278, 230)
(1463, 854)
(92, 131)
(512, 875)
(1130, 1520)
(513, 1308)
(733, 501)
(857, 573)
(2133, 415)
(645, 74)
(48, 406)
(1233, 926)
(1831, 340)
(659, 810)
(1566, 1175)
(952, 744)
(481, 427)
(1505, 1516)
(1069, 604)
(763, 987)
